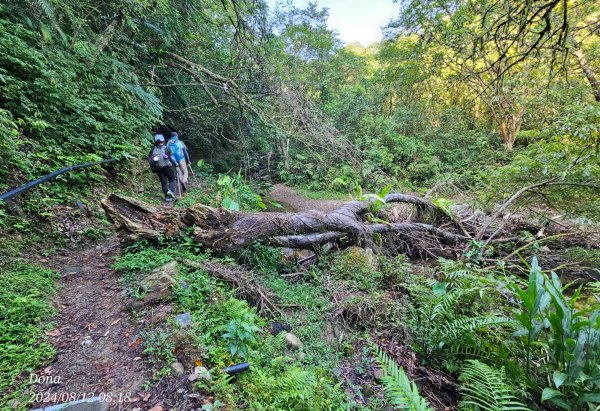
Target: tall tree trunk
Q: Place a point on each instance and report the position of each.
(284, 147)
(509, 127)
(505, 136)
(587, 70)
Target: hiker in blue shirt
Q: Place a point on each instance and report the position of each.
(161, 161)
(182, 158)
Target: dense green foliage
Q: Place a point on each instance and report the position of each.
(512, 344)
(277, 91)
(64, 106)
(544, 335)
(491, 95)
(225, 331)
(24, 315)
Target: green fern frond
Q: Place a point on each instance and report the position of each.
(468, 350)
(449, 266)
(593, 287)
(297, 383)
(444, 204)
(463, 326)
(48, 9)
(150, 100)
(446, 303)
(429, 282)
(399, 390)
(484, 388)
(458, 274)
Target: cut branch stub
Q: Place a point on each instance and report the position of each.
(138, 220)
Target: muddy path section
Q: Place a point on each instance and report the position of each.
(95, 339)
(294, 201)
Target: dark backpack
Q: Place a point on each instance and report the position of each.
(159, 158)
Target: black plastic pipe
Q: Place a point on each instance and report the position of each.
(237, 368)
(31, 184)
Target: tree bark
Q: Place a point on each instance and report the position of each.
(510, 127)
(105, 37)
(587, 70)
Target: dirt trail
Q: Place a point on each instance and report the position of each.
(96, 342)
(297, 202)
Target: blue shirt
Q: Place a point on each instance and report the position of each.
(178, 148)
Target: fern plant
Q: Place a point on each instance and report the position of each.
(594, 287)
(459, 318)
(48, 9)
(399, 390)
(485, 388)
(293, 388)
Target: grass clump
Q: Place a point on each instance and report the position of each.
(24, 315)
(322, 194)
(138, 262)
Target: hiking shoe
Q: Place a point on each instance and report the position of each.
(168, 199)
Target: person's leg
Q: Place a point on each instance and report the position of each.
(183, 171)
(171, 178)
(164, 180)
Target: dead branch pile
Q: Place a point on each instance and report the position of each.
(243, 281)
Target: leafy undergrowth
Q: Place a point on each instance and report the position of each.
(227, 190)
(484, 330)
(24, 316)
(455, 326)
(226, 331)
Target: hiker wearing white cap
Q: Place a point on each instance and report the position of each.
(161, 161)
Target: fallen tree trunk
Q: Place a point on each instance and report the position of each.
(226, 230)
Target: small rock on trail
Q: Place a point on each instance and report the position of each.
(183, 320)
(292, 341)
(161, 278)
(177, 368)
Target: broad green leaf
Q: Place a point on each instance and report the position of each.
(550, 393)
(558, 378)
